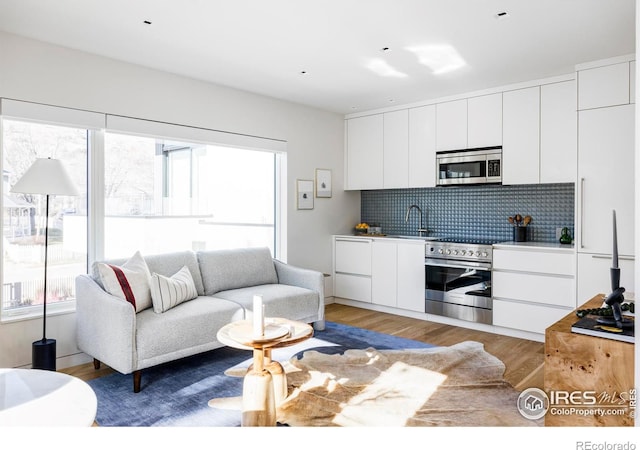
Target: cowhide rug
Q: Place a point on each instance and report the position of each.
(461, 385)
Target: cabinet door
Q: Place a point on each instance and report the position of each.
(353, 256)
(606, 179)
(411, 281)
(384, 279)
(484, 121)
(422, 146)
(451, 125)
(352, 287)
(364, 153)
(558, 132)
(594, 275)
(603, 86)
(521, 136)
(396, 149)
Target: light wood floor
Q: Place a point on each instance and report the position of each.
(523, 359)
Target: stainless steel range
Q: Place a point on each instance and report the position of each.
(458, 280)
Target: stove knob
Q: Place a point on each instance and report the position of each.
(448, 251)
(463, 252)
(440, 251)
(477, 253)
(455, 252)
(470, 252)
(485, 254)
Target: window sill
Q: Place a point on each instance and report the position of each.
(35, 312)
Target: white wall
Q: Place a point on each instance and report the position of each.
(43, 73)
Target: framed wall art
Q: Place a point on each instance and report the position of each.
(323, 183)
(304, 194)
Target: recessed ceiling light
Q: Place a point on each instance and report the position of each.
(303, 72)
(385, 49)
(147, 22)
(502, 15)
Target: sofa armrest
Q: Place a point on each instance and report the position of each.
(106, 326)
(305, 278)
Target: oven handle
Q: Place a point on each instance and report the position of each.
(471, 265)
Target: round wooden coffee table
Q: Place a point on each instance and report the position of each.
(265, 383)
(32, 397)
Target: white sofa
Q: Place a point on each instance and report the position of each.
(110, 330)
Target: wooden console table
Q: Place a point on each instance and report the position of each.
(577, 363)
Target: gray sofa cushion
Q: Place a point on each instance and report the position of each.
(231, 269)
(280, 300)
(179, 330)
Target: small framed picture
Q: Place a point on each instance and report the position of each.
(304, 190)
(323, 183)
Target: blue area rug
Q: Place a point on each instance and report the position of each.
(177, 393)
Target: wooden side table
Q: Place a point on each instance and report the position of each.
(32, 397)
(590, 367)
(265, 383)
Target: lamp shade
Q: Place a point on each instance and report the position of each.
(46, 176)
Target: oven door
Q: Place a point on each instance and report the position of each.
(466, 284)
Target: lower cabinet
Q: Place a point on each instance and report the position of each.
(594, 276)
(384, 272)
(532, 287)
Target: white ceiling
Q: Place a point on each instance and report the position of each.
(262, 46)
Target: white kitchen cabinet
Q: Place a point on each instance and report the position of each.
(451, 125)
(603, 86)
(384, 272)
(558, 132)
(606, 176)
(484, 117)
(411, 282)
(396, 149)
(521, 136)
(594, 276)
(422, 146)
(532, 287)
(352, 268)
(364, 155)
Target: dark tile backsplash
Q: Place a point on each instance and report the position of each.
(473, 212)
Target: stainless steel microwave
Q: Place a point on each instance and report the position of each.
(472, 166)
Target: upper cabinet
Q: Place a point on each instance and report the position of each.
(364, 156)
(422, 146)
(602, 86)
(558, 132)
(484, 121)
(521, 136)
(395, 149)
(451, 125)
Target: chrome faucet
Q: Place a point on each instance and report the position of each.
(421, 229)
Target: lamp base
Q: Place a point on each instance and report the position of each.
(43, 354)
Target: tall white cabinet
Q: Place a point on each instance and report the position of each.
(606, 176)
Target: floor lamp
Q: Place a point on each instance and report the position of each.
(46, 176)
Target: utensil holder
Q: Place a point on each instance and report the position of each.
(520, 234)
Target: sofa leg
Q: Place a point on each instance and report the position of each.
(137, 376)
(319, 325)
(96, 363)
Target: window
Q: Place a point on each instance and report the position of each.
(163, 195)
(24, 218)
(139, 190)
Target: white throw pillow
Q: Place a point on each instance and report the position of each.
(129, 281)
(168, 292)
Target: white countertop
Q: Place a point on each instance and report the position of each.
(570, 248)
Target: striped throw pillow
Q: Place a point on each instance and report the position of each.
(168, 292)
(129, 281)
